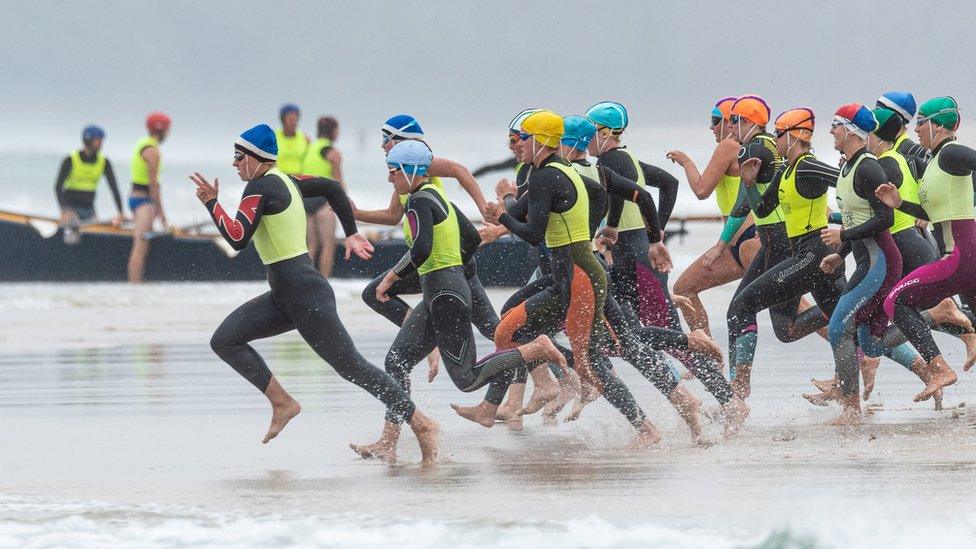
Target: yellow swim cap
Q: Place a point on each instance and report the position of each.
(545, 126)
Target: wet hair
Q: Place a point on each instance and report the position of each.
(328, 126)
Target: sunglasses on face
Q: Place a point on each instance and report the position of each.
(524, 136)
(716, 120)
(919, 122)
(394, 169)
(238, 156)
(735, 118)
(835, 124)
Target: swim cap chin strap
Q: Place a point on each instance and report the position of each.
(600, 146)
(255, 170)
(738, 129)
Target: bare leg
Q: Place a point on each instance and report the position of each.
(326, 223)
(696, 279)
(384, 448)
(869, 372)
(142, 224)
(283, 408)
(970, 341)
(569, 388)
(544, 388)
(513, 403)
(742, 384)
(426, 430)
(687, 406)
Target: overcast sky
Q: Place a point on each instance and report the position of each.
(216, 65)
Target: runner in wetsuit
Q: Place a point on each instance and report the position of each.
(726, 261)
(749, 116)
(405, 127)
(636, 344)
(799, 191)
(858, 318)
(635, 282)
(78, 179)
(443, 319)
(558, 208)
(945, 200)
(271, 214)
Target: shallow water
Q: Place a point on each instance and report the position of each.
(123, 429)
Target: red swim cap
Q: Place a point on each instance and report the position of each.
(157, 121)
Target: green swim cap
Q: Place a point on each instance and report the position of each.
(943, 111)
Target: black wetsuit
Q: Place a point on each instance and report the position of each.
(774, 244)
(787, 281)
(443, 318)
(300, 298)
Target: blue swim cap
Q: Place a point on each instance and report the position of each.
(413, 157)
(902, 103)
(287, 108)
(402, 126)
(608, 114)
(92, 132)
(577, 132)
(259, 142)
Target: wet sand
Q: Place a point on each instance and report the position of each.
(122, 428)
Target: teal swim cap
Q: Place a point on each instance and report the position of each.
(943, 111)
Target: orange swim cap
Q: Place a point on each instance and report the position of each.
(724, 106)
(799, 122)
(753, 108)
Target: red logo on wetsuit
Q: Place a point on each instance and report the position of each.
(234, 228)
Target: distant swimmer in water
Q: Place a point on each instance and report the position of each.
(78, 180)
(146, 200)
(271, 214)
(433, 230)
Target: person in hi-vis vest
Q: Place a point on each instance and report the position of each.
(78, 180)
(323, 160)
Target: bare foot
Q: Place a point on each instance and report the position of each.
(647, 436)
(821, 399)
(482, 414)
(736, 411)
(970, 341)
(742, 382)
(851, 414)
(509, 409)
(687, 406)
(869, 371)
(699, 342)
(921, 369)
(433, 364)
(426, 431)
(940, 375)
(283, 408)
(569, 388)
(588, 393)
(542, 348)
(826, 385)
(947, 312)
(384, 448)
(544, 390)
